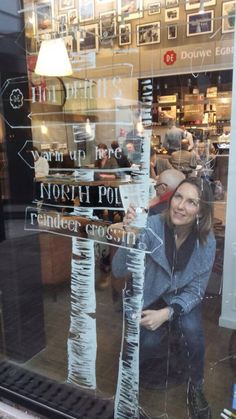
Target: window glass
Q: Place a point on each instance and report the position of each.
(117, 195)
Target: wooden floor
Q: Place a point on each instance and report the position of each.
(219, 373)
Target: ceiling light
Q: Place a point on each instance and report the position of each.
(53, 59)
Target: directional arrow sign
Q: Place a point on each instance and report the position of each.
(87, 229)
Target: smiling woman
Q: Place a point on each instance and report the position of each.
(176, 278)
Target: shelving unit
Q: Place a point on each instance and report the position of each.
(205, 114)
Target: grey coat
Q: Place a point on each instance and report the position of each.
(186, 287)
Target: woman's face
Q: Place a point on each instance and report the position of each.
(185, 205)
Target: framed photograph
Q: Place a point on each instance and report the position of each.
(199, 24)
(125, 34)
(88, 38)
(172, 31)
(44, 18)
(66, 4)
(62, 23)
(154, 8)
(228, 16)
(195, 4)
(148, 34)
(108, 24)
(129, 9)
(172, 14)
(192, 4)
(72, 17)
(208, 3)
(171, 3)
(86, 10)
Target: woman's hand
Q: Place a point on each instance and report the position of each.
(152, 319)
(129, 216)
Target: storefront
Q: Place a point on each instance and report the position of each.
(70, 330)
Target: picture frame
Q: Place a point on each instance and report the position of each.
(208, 3)
(86, 10)
(228, 16)
(200, 24)
(172, 31)
(66, 4)
(108, 24)
(72, 17)
(62, 23)
(171, 3)
(192, 4)
(87, 38)
(148, 33)
(129, 9)
(154, 8)
(125, 36)
(172, 15)
(44, 16)
(195, 4)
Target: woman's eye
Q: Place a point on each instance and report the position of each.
(193, 203)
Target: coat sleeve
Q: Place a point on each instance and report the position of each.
(192, 294)
(145, 240)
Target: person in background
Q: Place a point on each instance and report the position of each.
(188, 136)
(176, 277)
(173, 137)
(41, 166)
(105, 162)
(225, 136)
(157, 164)
(183, 159)
(41, 170)
(206, 158)
(167, 183)
(133, 155)
(121, 158)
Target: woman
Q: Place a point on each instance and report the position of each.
(105, 162)
(176, 277)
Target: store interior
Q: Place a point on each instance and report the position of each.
(126, 85)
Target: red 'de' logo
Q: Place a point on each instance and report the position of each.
(170, 57)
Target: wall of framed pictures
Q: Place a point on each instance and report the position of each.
(95, 25)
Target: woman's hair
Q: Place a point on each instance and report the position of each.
(103, 146)
(206, 207)
(98, 161)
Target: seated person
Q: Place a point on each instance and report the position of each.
(105, 162)
(121, 158)
(183, 159)
(167, 183)
(132, 154)
(205, 157)
(175, 280)
(157, 164)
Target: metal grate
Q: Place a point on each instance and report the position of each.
(49, 398)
